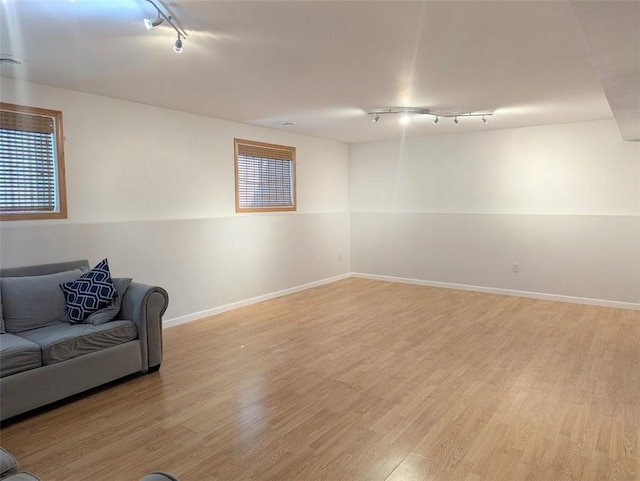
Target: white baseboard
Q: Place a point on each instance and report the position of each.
(504, 292)
(445, 285)
(247, 302)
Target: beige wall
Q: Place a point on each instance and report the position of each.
(153, 190)
(562, 201)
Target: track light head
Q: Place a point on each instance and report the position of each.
(177, 47)
(376, 118)
(456, 120)
(153, 23)
(161, 17)
(484, 120)
(436, 120)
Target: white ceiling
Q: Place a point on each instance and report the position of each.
(323, 64)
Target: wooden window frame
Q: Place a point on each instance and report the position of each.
(60, 184)
(291, 151)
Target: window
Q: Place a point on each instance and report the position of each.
(31, 164)
(265, 177)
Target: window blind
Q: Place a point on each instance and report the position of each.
(265, 176)
(27, 163)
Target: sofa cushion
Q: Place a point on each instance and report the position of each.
(108, 313)
(34, 301)
(18, 354)
(158, 476)
(89, 292)
(64, 341)
(8, 464)
(24, 476)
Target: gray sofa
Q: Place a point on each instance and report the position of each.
(41, 364)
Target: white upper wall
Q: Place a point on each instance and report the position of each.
(560, 201)
(574, 169)
(128, 161)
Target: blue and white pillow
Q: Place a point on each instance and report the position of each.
(89, 292)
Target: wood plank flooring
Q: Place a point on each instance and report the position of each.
(365, 380)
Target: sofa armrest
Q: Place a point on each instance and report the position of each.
(145, 305)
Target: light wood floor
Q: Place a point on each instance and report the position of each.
(365, 380)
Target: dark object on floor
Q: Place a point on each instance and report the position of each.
(9, 471)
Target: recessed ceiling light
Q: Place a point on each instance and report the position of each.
(10, 60)
(288, 123)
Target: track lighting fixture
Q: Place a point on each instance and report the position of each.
(161, 17)
(153, 23)
(406, 113)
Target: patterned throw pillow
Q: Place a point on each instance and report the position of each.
(89, 292)
(109, 313)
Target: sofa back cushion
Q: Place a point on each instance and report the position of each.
(44, 269)
(34, 301)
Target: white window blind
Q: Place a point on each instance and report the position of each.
(28, 163)
(265, 176)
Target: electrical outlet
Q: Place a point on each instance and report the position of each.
(515, 268)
